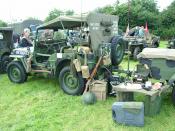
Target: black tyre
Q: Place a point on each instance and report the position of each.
(16, 72)
(173, 96)
(71, 84)
(5, 62)
(155, 43)
(117, 50)
(136, 51)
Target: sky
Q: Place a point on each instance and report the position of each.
(17, 10)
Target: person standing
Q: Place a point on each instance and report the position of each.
(25, 41)
(141, 32)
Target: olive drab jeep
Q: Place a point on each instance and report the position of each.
(171, 43)
(135, 43)
(68, 48)
(6, 45)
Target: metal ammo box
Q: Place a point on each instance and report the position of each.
(128, 113)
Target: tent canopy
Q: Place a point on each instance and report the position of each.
(66, 21)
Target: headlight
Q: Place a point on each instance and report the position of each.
(171, 43)
(130, 43)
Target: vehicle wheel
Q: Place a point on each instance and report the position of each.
(137, 50)
(16, 72)
(71, 84)
(5, 62)
(173, 96)
(117, 50)
(155, 43)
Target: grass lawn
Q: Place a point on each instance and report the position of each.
(39, 104)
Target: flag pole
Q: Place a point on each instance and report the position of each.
(128, 42)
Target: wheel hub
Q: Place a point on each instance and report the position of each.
(16, 73)
(71, 81)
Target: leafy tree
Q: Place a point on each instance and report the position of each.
(3, 24)
(32, 18)
(167, 28)
(141, 11)
(53, 14)
(56, 13)
(168, 16)
(69, 12)
(106, 10)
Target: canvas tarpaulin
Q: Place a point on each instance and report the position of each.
(168, 54)
(97, 29)
(66, 21)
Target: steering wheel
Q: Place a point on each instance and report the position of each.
(55, 47)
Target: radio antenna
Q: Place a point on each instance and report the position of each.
(128, 11)
(81, 12)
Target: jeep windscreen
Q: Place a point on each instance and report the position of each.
(48, 42)
(3, 41)
(1, 36)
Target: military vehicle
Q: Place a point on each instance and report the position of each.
(171, 43)
(70, 56)
(6, 45)
(137, 43)
(161, 63)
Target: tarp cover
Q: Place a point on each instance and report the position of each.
(97, 30)
(67, 21)
(168, 54)
(101, 27)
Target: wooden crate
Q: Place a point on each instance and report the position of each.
(99, 88)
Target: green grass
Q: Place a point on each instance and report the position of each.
(39, 104)
(163, 44)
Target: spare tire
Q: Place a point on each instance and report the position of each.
(117, 50)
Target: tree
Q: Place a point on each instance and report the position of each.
(56, 13)
(3, 24)
(168, 22)
(106, 10)
(69, 12)
(141, 11)
(53, 14)
(32, 18)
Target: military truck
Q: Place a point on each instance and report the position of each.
(137, 43)
(70, 56)
(6, 45)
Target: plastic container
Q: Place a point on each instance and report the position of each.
(128, 113)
